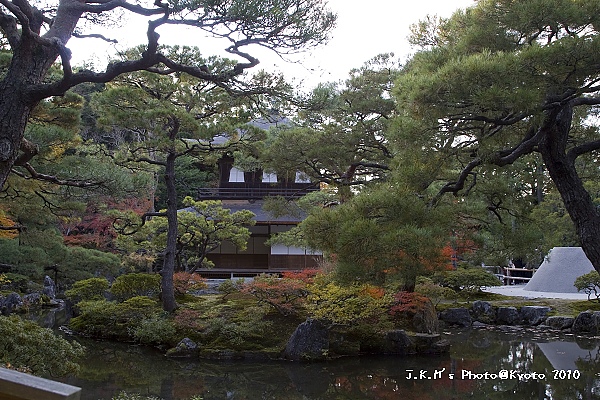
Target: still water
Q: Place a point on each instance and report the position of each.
(481, 365)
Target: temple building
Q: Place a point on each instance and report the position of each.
(243, 190)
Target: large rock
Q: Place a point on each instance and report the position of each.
(185, 348)
(457, 316)
(32, 299)
(310, 341)
(430, 343)
(560, 322)
(507, 316)
(419, 315)
(534, 315)
(399, 342)
(483, 312)
(49, 288)
(426, 320)
(10, 303)
(587, 322)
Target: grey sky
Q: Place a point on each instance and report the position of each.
(364, 29)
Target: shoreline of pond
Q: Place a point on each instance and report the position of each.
(112, 368)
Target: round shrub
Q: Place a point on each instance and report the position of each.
(346, 304)
(111, 320)
(136, 309)
(88, 289)
(132, 285)
(155, 331)
(96, 318)
(467, 279)
(436, 293)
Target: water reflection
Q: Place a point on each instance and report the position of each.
(111, 368)
(50, 317)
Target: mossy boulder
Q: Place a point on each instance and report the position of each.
(185, 348)
(507, 316)
(310, 341)
(483, 311)
(587, 322)
(534, 315)
(560, 322)
(457, 316)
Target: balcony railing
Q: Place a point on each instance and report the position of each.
(19, 386)
(252, 192)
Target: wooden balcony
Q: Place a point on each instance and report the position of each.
(19, 386)
(253, 193)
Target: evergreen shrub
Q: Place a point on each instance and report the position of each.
(88, 289)
(133, 285)
(29, 347)
(467, 279)
(589, 284)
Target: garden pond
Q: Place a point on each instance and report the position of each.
(482, 364)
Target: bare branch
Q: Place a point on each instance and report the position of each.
(252, 61)
(527, 145)
(586, 101)
(505, 121)
(38, 92)
(17, 227)
(65, 58)
(100, 6)
(6, 267)
(147, 160)
(8, 24)
(459, 184)
(20, 15)
(583, 149)
(95, 36)
(33, 174)
(124, 226)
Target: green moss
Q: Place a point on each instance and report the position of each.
(234, 324)
(584, 305)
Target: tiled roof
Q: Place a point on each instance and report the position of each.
(265, 123)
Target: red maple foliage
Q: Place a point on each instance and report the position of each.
(305, 275)
(184, 281)
(408, 302)
(285, 294)
(94, 227)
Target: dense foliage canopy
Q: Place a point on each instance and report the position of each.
(509, 83)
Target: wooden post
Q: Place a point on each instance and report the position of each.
(19, 386)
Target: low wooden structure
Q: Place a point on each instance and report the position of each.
(19, 386)
(513, 275)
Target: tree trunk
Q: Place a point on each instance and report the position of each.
(561, 168)
(13, 119)
(31, 60)
(168, 291)
(15, 106)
